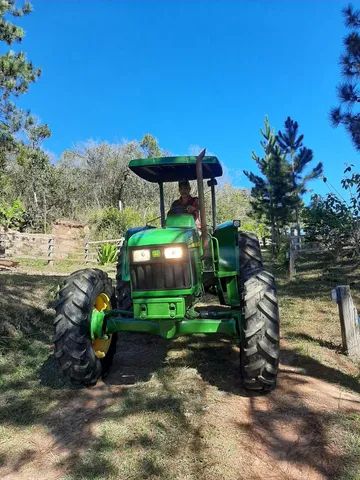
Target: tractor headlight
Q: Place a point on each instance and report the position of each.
(141, 255)
(173, 252)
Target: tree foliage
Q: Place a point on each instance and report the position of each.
(298, 157)
(257, 227)
(16, 75)
(284, 167)
(347, 113)
(333, 221)
(273, 197)
(232, 203)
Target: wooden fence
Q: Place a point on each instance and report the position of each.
(349, 320)
(297, 247)
(37, 246)
(91, 248)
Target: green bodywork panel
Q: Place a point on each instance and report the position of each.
(96, 324)
(116, 321)
(125, 274)
(159, 308)
(226, 237)
(225, 255)
(162, 293)
(162, 236)
(227, 262)
(189, 238)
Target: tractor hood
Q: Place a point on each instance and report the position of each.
(162, 236)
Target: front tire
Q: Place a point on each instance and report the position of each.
(77, 355)
(260, 327)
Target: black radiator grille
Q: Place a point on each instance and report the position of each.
(160, 275)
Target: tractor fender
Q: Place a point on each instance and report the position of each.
(226, 235)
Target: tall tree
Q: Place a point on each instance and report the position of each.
(348, 91)
(298, 157)
(20, 133)
(16, 74)
(272, 193)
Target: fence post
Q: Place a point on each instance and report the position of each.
(86, 250)
(292, 256)
(349, 321)
(2, 245)
(51, 251)
(10, 245)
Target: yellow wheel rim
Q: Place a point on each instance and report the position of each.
(101, 345)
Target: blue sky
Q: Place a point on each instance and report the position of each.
(192, 73)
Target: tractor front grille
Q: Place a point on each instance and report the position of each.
(160, 275)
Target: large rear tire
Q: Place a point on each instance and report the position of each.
(77, 355)
(250, 254)
(260, 328)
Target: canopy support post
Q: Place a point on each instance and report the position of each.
(200, 185)
(162, 204)
(211, 183)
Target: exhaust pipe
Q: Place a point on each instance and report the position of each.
(200, 185)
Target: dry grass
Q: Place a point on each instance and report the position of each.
(176, 409)
(310, 320)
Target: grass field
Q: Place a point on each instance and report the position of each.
(176, 410)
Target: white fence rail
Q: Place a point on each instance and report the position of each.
(91, 248)
(37, 246)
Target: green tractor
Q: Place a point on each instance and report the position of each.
(161, 276)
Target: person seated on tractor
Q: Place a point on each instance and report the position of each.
(186, 203)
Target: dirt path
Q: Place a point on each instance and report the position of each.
(174, 411)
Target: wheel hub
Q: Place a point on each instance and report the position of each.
(100, 342)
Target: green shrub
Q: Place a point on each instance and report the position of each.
(260, 229)
(12, 215)
(107, 253)
(113, 223)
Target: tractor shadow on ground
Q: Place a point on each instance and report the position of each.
(215, 358)
(137, 357)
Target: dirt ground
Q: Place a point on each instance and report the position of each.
(285, 435)
(176, 410)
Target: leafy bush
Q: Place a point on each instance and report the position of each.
(12, 215)
(329, 221)
(334, 221)
(260, 229)
(107, 253)
(113, 223)
(232, 203)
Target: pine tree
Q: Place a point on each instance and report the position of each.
(16, 74)
(298, 157)
(348, 91)
(272, 193)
